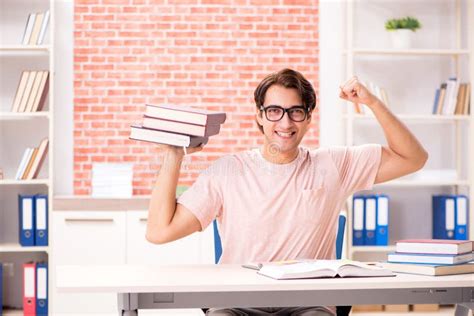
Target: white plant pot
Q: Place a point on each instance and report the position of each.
(402, 38)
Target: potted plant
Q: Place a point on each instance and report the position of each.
(402, 31)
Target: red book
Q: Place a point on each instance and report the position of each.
(185, 114)
(29, 289)
(182, 128)
(434, 246)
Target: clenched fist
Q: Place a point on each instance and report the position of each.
(355, 92)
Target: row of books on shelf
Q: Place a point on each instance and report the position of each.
(31, 92)
(33, 220)
(35, 289)
(370, 215)
(432, 256)
(177, 125)
(31, 161)
(35, 29)
(452, 98)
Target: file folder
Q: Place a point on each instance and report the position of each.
(461, 218)
(370, 220)
(29, 289)
(358, 221)
(381, 235)
(443, 216)
(27, 220)
(1, 289)
(41, 208)
(42, 289)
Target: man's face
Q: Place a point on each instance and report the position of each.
(284, 135)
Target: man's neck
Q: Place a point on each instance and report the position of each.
(273, 156)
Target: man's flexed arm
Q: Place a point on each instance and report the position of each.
(404, 153)
(167, 220)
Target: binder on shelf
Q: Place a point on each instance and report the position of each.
(27, 219)
(1, 288)
(27, 92)
(20, 90)
(381, 235)
(29, 289)
(44, 27)
(23, 163)
(443, 216)
(461, 218)
(42, 289)
(36, 28)
(41, 208)
(358, 225)
(370, 220)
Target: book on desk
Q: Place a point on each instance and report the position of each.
(305, 269)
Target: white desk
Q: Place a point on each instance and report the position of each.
(192, 286)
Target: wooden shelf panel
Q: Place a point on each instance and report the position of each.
(370, 51)
(23, 115)
(13, 247)
(24, 182)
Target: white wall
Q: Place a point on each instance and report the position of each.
(63, 116)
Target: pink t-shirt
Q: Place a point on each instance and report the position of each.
(268, 212)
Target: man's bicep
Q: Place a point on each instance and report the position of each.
(391, 166)
(184, 223)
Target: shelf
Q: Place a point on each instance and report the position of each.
(23, 115)
(429, 118)
(408, 52)
(18, 248)
(22, 182)
(25, 48)
(373, 248)
(422, 183)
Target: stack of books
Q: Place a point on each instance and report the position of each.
(177, 125)
(432, 257)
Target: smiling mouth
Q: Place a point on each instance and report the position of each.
(285, 134)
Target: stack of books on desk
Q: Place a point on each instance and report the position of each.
(432, 257)
(177, 125)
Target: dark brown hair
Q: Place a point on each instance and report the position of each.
(287, 78)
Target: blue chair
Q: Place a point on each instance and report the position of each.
(341, 310)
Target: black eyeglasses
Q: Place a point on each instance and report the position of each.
(274, 113)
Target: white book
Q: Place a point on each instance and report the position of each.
(430, 258)
(29, 27)
(44, 27)
(24, 161)
(306, 269)
(447, 107)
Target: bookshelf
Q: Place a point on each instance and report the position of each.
(18, 131)
(410, 77)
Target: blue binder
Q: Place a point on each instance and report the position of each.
(462, 214)
(26, 208)
(1, 289)
(381, 235)
(358, 210)
(41, 289)
(443, 216)
(370, 220)
(41, 208)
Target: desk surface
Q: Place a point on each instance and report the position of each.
(215, 278)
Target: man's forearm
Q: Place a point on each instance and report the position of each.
(399, 138)
(163, 197)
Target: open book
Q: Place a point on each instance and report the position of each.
(305, 269)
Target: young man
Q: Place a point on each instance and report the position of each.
(281, 201)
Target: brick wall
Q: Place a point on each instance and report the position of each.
(205, 53)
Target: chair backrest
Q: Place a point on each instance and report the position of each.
(341, 225)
